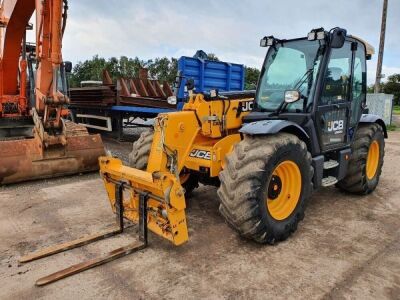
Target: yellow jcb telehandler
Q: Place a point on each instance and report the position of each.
(306, 128)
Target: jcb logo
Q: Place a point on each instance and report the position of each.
(334, 126)
(200, 154)
(247, 106)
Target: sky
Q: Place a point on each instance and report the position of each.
(229, 28)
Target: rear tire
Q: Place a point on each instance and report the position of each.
(139, 157)
(363, 177)
(245, 192)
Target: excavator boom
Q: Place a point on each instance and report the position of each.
(35, 142)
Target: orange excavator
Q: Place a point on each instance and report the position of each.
(35, 140)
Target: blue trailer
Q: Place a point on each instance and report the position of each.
(209, 75)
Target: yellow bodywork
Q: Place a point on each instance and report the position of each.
(197, 138)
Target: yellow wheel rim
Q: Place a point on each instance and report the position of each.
(284, 190)
(372, 160)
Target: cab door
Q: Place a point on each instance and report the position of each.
(334, 106)
(358, 88)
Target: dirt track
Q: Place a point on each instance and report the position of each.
(347, 246)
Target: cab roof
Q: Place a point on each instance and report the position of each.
(369, 48)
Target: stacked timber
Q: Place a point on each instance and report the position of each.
(95, 96)
(140, 91)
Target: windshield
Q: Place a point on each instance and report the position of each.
(291, 65)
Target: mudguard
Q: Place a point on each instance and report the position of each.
(272, 127)
(370, 118)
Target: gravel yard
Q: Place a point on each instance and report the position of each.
(347, 246)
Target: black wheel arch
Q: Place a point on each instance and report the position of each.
(370, 118)
(269, 127)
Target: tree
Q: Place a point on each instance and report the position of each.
(164, 69)
(392, 86)
(88, 70)
(129, 68)
(370, 89)
(212, 56)
(92, 69)
(251, 79)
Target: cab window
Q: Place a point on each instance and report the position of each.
(337, 76)
(359, 85)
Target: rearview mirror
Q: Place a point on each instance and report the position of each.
(292, 96)
(338, 36)
(68, 66)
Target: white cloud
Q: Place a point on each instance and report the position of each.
(390, 71)
(230, 29)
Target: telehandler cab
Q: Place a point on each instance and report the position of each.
(305, 129)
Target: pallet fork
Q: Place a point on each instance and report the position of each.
(117, 253)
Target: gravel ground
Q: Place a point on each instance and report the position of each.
(121, 149)
(346, 247)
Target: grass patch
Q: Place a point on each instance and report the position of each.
(396, 109)
(391, 127)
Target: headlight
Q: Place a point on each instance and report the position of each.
(172, 100)
(311, 36)
(320, 35)
(316, 34)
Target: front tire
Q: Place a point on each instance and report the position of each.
(139, 157)
(365, 165)
(265, 186)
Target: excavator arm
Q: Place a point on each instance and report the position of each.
(14, 18)
(50, 20)
(35, 142)
(51, 17)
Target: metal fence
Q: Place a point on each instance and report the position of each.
(381, 105)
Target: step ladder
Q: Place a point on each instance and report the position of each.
(328, 181)
(330, 164)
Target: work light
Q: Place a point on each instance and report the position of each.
(316, 34)
(267, 41)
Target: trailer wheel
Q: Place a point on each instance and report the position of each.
(265, 186)
(365, 165)
(139, 157)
